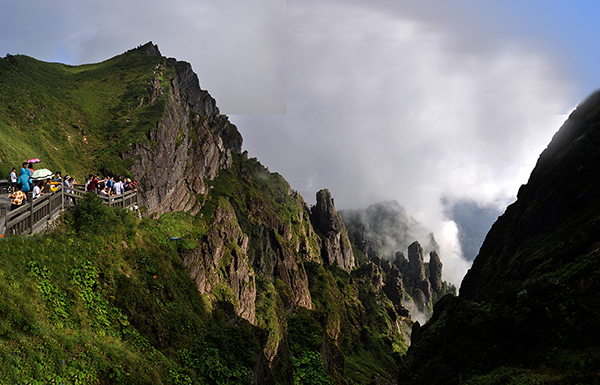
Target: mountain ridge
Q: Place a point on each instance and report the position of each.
(268, 287)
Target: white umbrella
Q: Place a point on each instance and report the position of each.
(41, 174)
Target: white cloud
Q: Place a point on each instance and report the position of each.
(381, 107)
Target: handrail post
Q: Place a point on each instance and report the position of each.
(49, 206)
(62, 197)
(30, 220)
(3, 220)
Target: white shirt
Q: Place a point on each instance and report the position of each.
(13, 177)
(118, 186)
(36, 191)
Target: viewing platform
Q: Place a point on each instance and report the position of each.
(35, 215)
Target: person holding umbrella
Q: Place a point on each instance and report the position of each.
(39, 176)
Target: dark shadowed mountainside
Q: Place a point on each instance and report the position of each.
(528, 310)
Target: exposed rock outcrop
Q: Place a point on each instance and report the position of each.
(190, 144)
(271, 259)
(220, 265)
(394, 290)
(370, 273)
(435, 272)
(421, 285)
(419, 299)
(335, 248)
(415, 262)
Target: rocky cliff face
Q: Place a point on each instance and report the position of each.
(420, 283)
(274, 295)
(336, 249)
(190, 144)
(435, 271)
(220, 265)
(394, 290)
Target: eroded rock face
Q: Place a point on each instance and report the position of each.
(420, 299)
(435, 271)
(394, 290)
(220, 264)
(336, 248)
(421, 285)
(370, 273)
(273, 260)
(190, 144)
(415, 262)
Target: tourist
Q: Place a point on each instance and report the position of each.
(93, 183)
(88, 181)
(13, 178)
(68, 184)
(129, 185)
(109, 184)
(37, 189)
(58, 177)
(25, 178)
(17, 197)
(118, 186)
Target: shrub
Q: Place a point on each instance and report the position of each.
(93, 216)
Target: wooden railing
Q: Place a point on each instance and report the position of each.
(35, 215)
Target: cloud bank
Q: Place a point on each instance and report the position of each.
(380, 107)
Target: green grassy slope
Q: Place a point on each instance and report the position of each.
(106, 299)
(76, 119)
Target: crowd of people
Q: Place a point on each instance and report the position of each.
(22, 184)
(109, 186)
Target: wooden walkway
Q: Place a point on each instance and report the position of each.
(35, 215)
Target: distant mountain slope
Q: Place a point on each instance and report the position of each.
(529, 308)
(387, 235)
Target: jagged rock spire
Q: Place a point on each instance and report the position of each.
(335, 248)
(435, 271)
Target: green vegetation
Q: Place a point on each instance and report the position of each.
(107, 297)
(343, 314)
(78, 119)
(79, 306)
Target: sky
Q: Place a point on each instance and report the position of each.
(443, 106)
